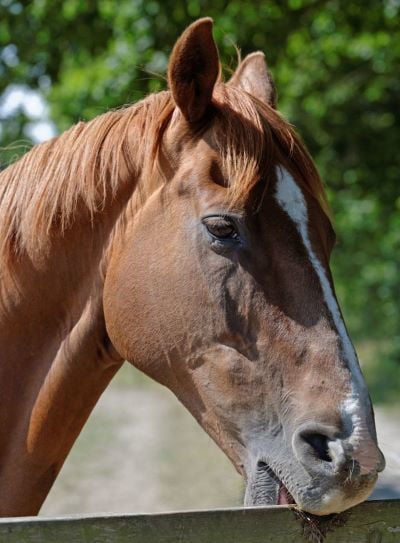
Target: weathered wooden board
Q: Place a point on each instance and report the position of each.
(371, 522)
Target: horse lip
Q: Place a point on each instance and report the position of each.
(264, 487)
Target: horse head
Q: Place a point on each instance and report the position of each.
(219, 287)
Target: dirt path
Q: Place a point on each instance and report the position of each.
(388, 428)
(142, 452)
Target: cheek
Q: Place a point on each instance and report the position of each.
(229, 383)
(155, 300)
(119, 311)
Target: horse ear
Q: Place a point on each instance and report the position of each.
(193, 69)
(253, 76)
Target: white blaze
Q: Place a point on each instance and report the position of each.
(291, 199)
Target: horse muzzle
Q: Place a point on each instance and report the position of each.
(320, 473)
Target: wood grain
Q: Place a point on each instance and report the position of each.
(371, 522)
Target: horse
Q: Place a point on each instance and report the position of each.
(188, 234)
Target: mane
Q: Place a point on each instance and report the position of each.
(81, 167)
(84, 165)
(253, 138)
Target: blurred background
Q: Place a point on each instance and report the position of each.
(336, 64)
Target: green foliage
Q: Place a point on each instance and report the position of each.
(336, 64)
(384, 378)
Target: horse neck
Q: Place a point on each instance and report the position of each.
(69, 258)
(56, 358)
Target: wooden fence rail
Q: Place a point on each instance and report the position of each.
(371, 522)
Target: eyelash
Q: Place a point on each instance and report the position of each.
(216, 221)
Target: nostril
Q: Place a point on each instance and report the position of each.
(320, 445)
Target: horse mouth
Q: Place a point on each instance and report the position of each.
(266, 488)
(285, 497)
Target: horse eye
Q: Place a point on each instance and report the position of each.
(221, 228)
